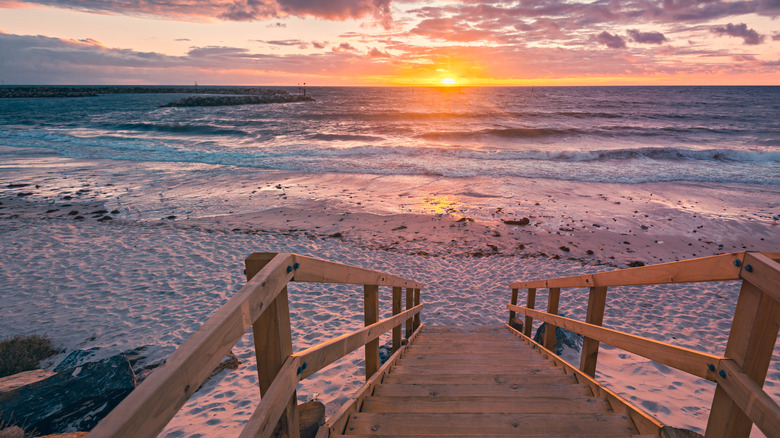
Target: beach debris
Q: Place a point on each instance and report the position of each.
(564, 248)
(636, 264)
(229, 362)
(521, 222)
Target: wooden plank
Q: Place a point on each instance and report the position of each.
(484, 404)
(505, 390)
(314, 270)
(763, 272)
(553, 376)
(597, 300)
(714, 268)
(337, 423)
(146, 411)
(322, 355)
(552, 308)
(750, 397)
(512, 300)
(644, 423)
(409, 304)
(751, 342)
(371, 315)
(684, 359)
(486, 424)
(274, 403)
(530, 303)
(397, 291)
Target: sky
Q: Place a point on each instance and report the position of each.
(390, 42)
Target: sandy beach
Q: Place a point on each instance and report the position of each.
(130, 255)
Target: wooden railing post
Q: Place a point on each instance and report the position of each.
(417, 303)
(371, 313)
(513, 301)
(273, 344)
(528, 327)
(590, 347)
(409, 305)
(397, 292)
(751, 342)
(552, 307)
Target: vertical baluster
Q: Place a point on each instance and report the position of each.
(397, 292)
(552, 308)
(417, 303)
(371, 313)
(751, 342)
(528, 328)
(590, 347)
(409, 305)
(273, 344)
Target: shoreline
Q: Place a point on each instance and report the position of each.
(592, 223)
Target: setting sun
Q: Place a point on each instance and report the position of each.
(448, 81)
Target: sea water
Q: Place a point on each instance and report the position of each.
(600, 134)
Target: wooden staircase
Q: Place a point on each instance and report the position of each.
(470, 382)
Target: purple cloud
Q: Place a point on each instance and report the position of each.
(376, 53)
(344, 48)
(740, 30)
(647, 37)
(234, 10)
(610, 40)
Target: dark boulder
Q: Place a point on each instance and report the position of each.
(74, 399)
(563, 338)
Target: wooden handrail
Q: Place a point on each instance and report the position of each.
(684, 359)
(739, 399)
(262, 305)
(715, 268)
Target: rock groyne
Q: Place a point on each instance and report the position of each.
(272, 96)
(92, 91)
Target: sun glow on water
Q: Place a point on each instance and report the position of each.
(448, 81)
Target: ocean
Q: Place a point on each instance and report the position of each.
(597, 134)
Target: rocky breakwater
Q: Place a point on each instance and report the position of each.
(266, 96)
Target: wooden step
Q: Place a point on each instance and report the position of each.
(470, 348)
(487, 369)
(493, 359)
(487, 424)
(485, 404)
(402, 390)
(549, 377)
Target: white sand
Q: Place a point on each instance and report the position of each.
(139, 280)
